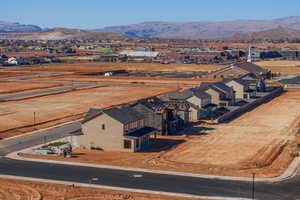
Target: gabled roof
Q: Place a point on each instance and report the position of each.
(184, 95)
(219, 87)
(178, 95)
(238, 80)
(91, 114)
(204, 85)
(124, 115)
(250, 67)
(152, 103)
(222, 86)
(198, 92)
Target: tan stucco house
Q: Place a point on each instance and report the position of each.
(220, 93)
(195, 98)
(115, 129)
(241, 88)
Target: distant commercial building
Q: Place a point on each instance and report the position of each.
(140, 54)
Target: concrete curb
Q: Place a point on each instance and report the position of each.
(289, 172)
(120, 188)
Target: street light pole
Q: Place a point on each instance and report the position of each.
(34, 120)
(253, 188)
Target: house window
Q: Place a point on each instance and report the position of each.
(223, 104)
(103, 126)
(137, 144)
(126, 127)
(127, 144)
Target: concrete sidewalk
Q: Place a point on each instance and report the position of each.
(290, 172)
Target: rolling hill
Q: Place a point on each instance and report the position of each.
(17, 27)
(276, 34)
(61, 34)
(201, 29)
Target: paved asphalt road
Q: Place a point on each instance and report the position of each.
(42, 92)
(151, 181)
(26, 141)
(121, 178)
(289, 189)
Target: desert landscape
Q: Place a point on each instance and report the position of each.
(31, 190)
(12, 87)
(16, 115)
(173, 99)
(254, 143)
(86, 67)
(283, 67)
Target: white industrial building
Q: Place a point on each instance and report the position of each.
(140, 53)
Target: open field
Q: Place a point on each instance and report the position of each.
(5, 74)
(30, 190)
(126, 79)
(10, 87)
(26, 54)
(85, 67)
(67, 106)
(284, 67)
(260, 141)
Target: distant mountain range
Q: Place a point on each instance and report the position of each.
(237, 30)
(201, 29)
(61, 34)
(17, 27)
(276, 34)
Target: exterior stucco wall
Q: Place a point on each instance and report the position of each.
(238, 88)
(199, 101)
(111, 138)
(215, 97)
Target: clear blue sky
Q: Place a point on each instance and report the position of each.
(99, 13)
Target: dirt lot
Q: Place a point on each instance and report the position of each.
(127, 79)
(5, 74)
(29, 190)
(260, 141)
(10, 87)
(282, 67)
(26, 54)
(100, 67)
(69, 106)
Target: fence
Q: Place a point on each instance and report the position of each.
(247, 107)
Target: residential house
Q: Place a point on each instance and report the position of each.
(177, 114)
(195, 98)
(116, 129)
(221, 94)
(241, 88)
(155, 113)
(238, 70)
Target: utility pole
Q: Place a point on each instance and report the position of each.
(34, 120)
(253, 188)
